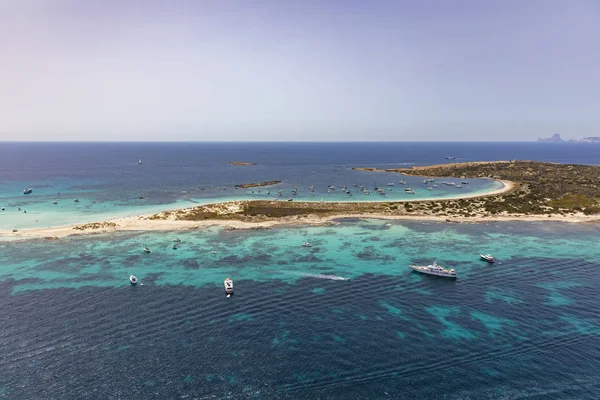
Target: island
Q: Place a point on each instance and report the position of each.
(554, 138)
(256, 184)
(531, 191)
(243, 163)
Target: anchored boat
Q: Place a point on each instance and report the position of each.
(228, 284)
(434, 269)
(487, 257)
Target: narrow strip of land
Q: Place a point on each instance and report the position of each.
(532, 191)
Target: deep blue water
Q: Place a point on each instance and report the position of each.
(345, 319)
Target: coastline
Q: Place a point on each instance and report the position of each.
(531, 192)
(149, 223)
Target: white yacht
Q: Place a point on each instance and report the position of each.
(133, 279)
(434, 269)
(228, 284)
(487, 257)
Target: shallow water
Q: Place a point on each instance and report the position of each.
(343, 319)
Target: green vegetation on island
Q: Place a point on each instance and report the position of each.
(534, 188)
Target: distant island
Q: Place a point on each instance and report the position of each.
(557, 139)
(256, 184)
(248, 164)
(554, 138)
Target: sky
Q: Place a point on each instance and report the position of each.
(308, 70)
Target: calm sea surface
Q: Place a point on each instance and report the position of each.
(344, 319)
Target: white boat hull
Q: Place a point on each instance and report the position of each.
(432, 272)
(228, 284)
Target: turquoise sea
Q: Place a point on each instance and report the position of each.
(343, 319)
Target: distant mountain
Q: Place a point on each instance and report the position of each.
(555, 138)
(591, 139)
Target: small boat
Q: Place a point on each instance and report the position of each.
(290, 199)
(307, 244)
(76, 200)
(177, 240)
(140, 161)
(487, 257)
(390, 184)
(450, 158)
(402, 182)
(228, 284)
(147, 250)
(388, 225)
(27, 191)
(54, 202)
(458, 186)
(434, 269)
(464, 183)
(430, 188)
(133, 279)
(174, 247)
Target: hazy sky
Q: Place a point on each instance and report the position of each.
(299, 70)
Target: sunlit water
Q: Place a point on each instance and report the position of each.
(345, 318)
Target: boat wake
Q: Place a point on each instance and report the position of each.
(321, 276)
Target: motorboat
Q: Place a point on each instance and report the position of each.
(228, 284)
(54, 202)
(76, 200)
(307, 244)
(402, 182)
(27, 190)
(487, 257)
(434, 269)
(140, 161)
(177, 240)
(133, 279)
(174, 247)
(147, 250)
